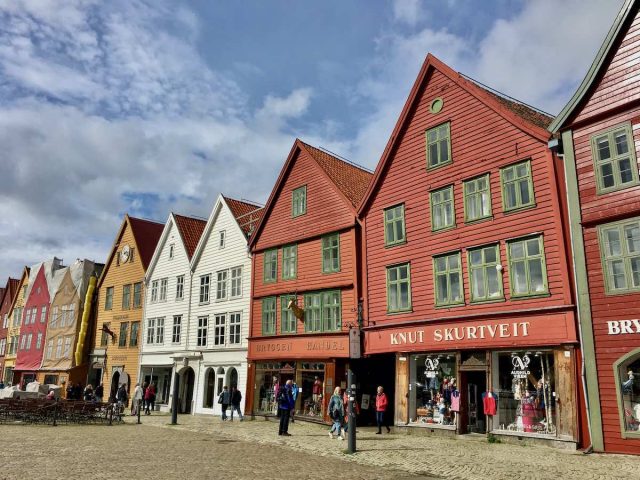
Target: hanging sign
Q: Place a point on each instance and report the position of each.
(431, 365)
(520, 366)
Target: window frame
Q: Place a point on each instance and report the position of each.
(179, 288)
(233, 325)
(291, 258)
(154, 291)
(542, 255)
(151, 331)
(626, 358)
(470, 268)
(284, 301)
(519, 205)
(164, 289)
(602, 243)
(426, 135)
(269, 331)
(133, 334)
(222, 295)
(220, 330)
(447, 272)
(302, 193)
(222, 239)
(432, 204)
(122, 339)
(609, 132)
(409, 307)
(327, 247)
(465, 183)
(272, 260)
(394, 242)
(104, 338)
(202, 331)
(126, 295)
(176, 330)
(108, 298)
(237, 279)
(204, 292)
(137, 295)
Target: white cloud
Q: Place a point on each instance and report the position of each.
(407, 11)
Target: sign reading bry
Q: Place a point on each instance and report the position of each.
(619, 327)
(470, 332)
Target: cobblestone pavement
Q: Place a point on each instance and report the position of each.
(426, 457)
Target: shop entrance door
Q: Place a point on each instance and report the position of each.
(472, 385)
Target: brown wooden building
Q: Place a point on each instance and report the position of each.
(305, 260)
(467, 280)
(7, 297)
(600, 129)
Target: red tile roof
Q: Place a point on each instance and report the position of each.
(352, 180)
(190, 230)
(147, 234)
(247, 214)
(2, 290)
(12, 287)
(527, 113)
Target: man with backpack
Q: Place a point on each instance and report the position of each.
(236, 398)
(285, 404)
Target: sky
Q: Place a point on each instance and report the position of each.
(148, 107)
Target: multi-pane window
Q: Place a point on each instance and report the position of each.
(517, 186)
(126, 297)
(39, 341)
(442, 208)
(394, 232)
(399, 288)
(222, 239)
(59, 347)
(234, 328)
(43, 314)
(122, 339)
(438, 146)
(137, 295)
(299, 201)
(177, 329)
(49, 349)
(236, 282)
(154, 291)
(331, 253)
(23, 341)
(221, 284)
(108, 299)
(219, 329)
(151, 331)
(447, 272)
(5, 321)
(29, 339)
(271, 265)
(313, 312)
(269, 316)
(72, 313)
(289, 261)
(63, 315)
(486, 283)
(160, 330)
(615, 159)
(171, 249)
(164, 285)
(477, 198)
(331, 311)
(67, 347)
(287, 318)
(527, 270)
(133, 337)
(180, 287)
(54, 317)
(620, 247)
(201, 339)
(205, 280)
(104, 339)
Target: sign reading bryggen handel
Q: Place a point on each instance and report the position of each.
(304, 347)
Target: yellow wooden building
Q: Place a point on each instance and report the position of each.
(13, 332)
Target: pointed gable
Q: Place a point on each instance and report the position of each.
(190, 230)
(246, 214)
(146, 234)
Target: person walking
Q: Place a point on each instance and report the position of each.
(381, 408)
(236, 398)
(69, 391)
(149, 398)
(88, 393)
(138, 396)
(224, 400)
(122, 397)
(336, 412)
(98, 394)
(285, 405)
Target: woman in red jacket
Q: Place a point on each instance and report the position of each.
(381, 407)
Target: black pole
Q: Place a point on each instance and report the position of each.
(174, 405)
(139, 406)
(351, 382)
(55, 412)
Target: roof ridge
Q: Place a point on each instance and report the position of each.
(251, 203)
(138, 219)
(337, 157)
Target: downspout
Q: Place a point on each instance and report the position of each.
(186, 343)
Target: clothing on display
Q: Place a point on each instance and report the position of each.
(489, 403)
(630, 391)
(433, 379)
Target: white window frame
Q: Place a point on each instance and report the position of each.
(151, 331)
(205, 289)
(220, 330)
(43, 314)
(154, 291)
(236, 282)
(160, 330)
(222, 239)
(235, 328)
(224, 284)
(202, 332)
(176, 332)
(39, 341)
(180, 287)
(59, 348)
(164, 287)
(67, 347)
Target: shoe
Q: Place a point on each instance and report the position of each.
(331, 435)
(388, 430)
(341, 437)
(378, 432)
(241, 419)
(286, 434)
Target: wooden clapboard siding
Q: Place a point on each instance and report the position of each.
(11, 290)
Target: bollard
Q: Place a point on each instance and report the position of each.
(139, 404)
(351, 439)
(174, 404)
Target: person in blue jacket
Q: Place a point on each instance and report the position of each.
(285, 404)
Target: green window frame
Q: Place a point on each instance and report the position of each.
(438, 140)
(133, 335)
(313, 312)
(443, 211)
(614, 157)
(477, 198)
(394, 226)
(448, 289)
(122, 339)
(108, 298)
(269, 316)
(299, 201)
(126, 297)
(527, 267)
(287, 318)
(289, 262)
(399, 288)
(620, 252)
(270, 265)
(323, 311)
(517, 186)
(331, 253)
(485, 281)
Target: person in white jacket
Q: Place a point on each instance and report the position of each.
(137, 399)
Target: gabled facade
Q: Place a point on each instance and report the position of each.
(168, 293)
(9, 292)
(115, 355)
(600, 134)
(13, 330)
(306, 282)
(467, 279)
(220, 302)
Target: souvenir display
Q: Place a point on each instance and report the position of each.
(630, 390)
(433, 390)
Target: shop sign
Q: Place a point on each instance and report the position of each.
(469, 332)
(431, 367)
(354, 343)
(304, 347)
(620, 327)
(520, 365)
(273, 347)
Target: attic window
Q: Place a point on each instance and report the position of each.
(223, 239)
(299, 201)
(436, 105)
(171, 247)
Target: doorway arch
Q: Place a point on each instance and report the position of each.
(115, 382)
(232, 377)
(209, 387)
(187, 380)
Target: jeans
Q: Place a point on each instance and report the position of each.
(236, 408)
(380, 420)
(284, 421)
(224, 411)
(336, 427)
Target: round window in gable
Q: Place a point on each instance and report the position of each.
(436, 105)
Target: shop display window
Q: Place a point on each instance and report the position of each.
(524, 383)
(434, 397)
(267, 379)
(312, 396)
(629, 378)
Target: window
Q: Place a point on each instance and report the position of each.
(164, 283)
(59, 347)
(104, 339)
(438, 146)
(63, 316)
(269, 316)
(620, 247)
(447, 272)
(126, 297)
(137, 295)
(122, 339)
(160, 330)
(485, 280)
(43, 314)
(627, 371)
(271, 265)
(108, 299)
(615, 159)
(49, 349)
(517, 186)
(399, 288)
(67, 347)
(171, 248)
(5, 321)
(477, 199)
(180, 287)
(39, 341)
(442, 209)
(527, 270)
(394, 225)
(29, 339)
(234, 328)
(331, 253)
(151, 331)
(219, 329)
(205, 280)
(72, 313)
(202, 331)
(331, 311)
(154, 291)
(313, 312)
(299, 201)
(287, 318)
(236, 282)
(221, 285)
(289, 262)
(222, 239)
(133, 338)
(2, 345)
(177, 329)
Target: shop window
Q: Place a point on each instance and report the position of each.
(312, 382)
(399, 288)
(517, 186)
(219, 381)
(289, 262)
(209, 388)
(620, 249)
(527, 270)
(394, 228)
(438, 146)
(524, 383)
(486, 283)
(331, 253)
(614, 158)
(627, 371)
(287, 318)
(51, 379)
(477, 199)
(443, 214)
(269, 316)
(299, 201)
(270, 273)
(267, 375)
(447, 270)
(232, 378)
(433, 396)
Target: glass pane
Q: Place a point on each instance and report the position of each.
(454, 262)
(433, 154)
(490, 255)
(454, 285)
(519, 275)
(442, 131)
(606, 171)
(632, 235)
(535, 276)
(448, 214)
(477, 283)
(533, 247)
(393, 275)
(390, 237)
(476, 257)
(444, 151)
(521, 170)
(622, 147)
(635, 271)
(603, 148)
(481, 183)
(437, 218)
(525, 197)
(441, 288)
(617, 274)
(403, 273)
(613, 242)
(404, 295)
(508, 174)
(486, 202)
(510, 195)
(441, 264)
(626, 175)
(472, 211)
(446, 194)
(470, 187)
(399, 231)
(432, 136)
(493, 284)
(517, 250)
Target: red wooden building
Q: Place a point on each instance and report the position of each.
(467, 279)
(304, 281)
(6, 299)
(600, 129)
